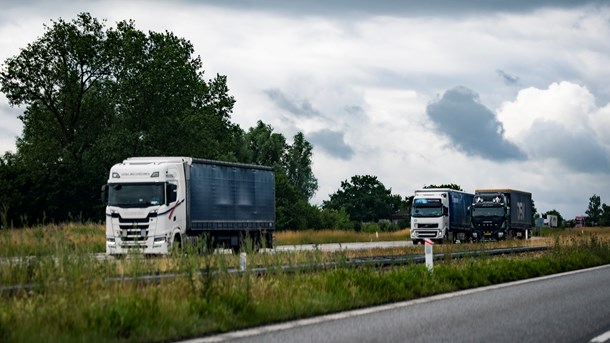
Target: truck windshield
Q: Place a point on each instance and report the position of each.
(135, 194)
(487, 211)
(423, 207)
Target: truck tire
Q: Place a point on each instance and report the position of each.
(176, 247)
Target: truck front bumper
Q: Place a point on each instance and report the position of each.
(419, 234)
(484, 235)
(151, 246)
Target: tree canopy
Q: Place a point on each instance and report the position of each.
(364, 199)
(449, 186)
(594, 211)
(95, 95)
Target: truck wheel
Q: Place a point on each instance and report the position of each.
(269, 240)
(176, 247)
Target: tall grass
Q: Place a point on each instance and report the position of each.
(336, 236)
(71, 299)
(50, 239)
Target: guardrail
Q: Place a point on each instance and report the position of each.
(374, 261)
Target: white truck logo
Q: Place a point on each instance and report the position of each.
(520, 210)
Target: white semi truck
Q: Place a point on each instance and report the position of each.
(156, 203)
(440, 214)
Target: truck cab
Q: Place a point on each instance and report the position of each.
(145, 209)
(490, 216)
(429, 216)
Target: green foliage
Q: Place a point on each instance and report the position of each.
(364, 199)
(379, 227)
(265, 147)
(94, 96)
(605, 219)
(534, 212)
(298, 166)
(449, 185)
(594, 211)
(295, 182)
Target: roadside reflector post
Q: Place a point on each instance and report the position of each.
(242, 261)
(429, 254)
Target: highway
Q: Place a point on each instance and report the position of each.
(569, 307)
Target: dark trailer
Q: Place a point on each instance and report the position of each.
(230, 201)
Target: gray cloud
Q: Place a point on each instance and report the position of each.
(508, 78)
(578, 151)
(301, 108)
(9, 117)
(341, 8)
(332, 142)
(472, 127)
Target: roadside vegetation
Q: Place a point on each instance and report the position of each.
(68, 295)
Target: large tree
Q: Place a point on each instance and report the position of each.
(365, 199)
(298, 166)
(95, 95)
(265, 147)
(594, 211)
(294, 182)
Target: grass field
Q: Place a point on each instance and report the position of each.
(74, 302)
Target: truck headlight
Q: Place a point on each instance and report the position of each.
(159, 239)
(500, 234)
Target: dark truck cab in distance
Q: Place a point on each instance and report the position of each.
(498, 214)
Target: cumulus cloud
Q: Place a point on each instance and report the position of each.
(472, 127)
(300, 108)
(561, 123)
(564, 102)
(332, 142)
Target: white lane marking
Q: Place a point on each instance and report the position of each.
(604, 337)
(353, 313)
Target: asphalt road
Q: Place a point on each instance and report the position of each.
(569, 307)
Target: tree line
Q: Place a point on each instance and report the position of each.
(94, 95)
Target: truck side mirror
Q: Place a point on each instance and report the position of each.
(445, 211)
(104, 194)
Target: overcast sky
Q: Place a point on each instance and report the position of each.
(484, 94)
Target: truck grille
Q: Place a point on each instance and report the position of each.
(134, 233)
(427, 226)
